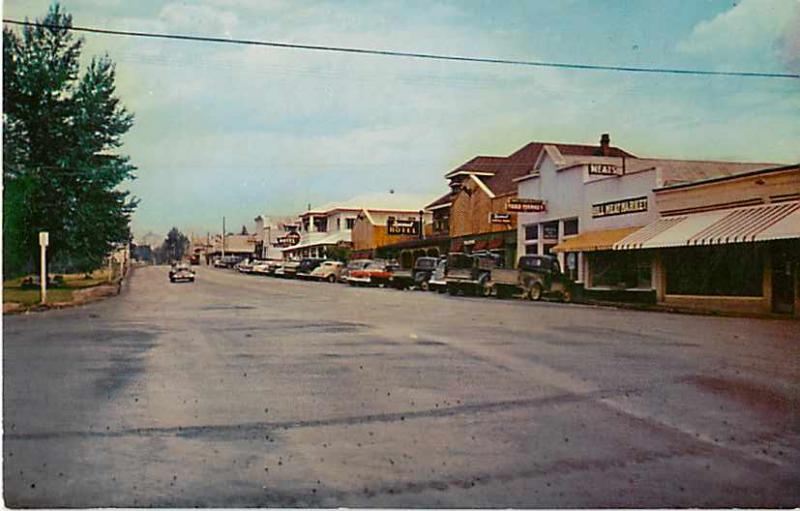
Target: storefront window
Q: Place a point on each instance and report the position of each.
(727, 270)
(532, 232)
(570, 227)
(550, 231)
(621, 269)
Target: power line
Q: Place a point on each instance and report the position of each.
(390, 53)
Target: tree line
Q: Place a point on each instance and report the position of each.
(62, 132)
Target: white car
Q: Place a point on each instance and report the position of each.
(328, 270)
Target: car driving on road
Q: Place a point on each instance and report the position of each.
(181, 272)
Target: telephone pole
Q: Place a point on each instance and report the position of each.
(223, 236)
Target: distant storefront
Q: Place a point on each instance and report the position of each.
(709, 255)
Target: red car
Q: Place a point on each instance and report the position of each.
(377, 273)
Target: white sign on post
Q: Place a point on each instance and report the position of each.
(44, 239)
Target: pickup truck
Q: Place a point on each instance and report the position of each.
(418, 276)
(470, 274)
(535, 277)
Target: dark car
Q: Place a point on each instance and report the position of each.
(418, 276)
(306, 266)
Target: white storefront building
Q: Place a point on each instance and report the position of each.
(588, 203)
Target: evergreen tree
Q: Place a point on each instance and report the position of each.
(61, 130)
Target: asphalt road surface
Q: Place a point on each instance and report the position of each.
(245, 391)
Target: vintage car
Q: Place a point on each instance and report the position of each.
(181, 272)
(265, 267)
(377, 273)
(328, 271)
(355, 264)
(307, 266)
(535, 277)
(287, 269)
(245, 266)
(437, 281)
(417, 277)
(469, 274)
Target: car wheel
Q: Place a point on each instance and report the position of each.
(535, 293)
(566, 296)
(424, 286)
(331, 278)
(486, 289)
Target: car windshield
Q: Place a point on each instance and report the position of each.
(376, 266)
(425, 263)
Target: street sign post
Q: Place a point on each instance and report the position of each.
(44, 240)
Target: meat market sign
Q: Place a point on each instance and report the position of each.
(620, 207)
(605, 169)
(520, 205)
(397, 227)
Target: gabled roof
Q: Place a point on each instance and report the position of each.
(522, 162)
(441, 201)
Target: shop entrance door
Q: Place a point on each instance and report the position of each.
(784, 276)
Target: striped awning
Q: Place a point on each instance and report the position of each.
(738, 225)
(594, 240)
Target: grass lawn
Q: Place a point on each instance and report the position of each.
(31, 296)
(13, 292)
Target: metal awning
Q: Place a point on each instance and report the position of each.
(594, 240)
(754, 223)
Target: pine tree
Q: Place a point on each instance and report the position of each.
(61, 130)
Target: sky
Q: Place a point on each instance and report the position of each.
(237, 131)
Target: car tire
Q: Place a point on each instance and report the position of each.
(486, 289)
(331, 278)
(535, 293)
(566, 296)
(424, 286)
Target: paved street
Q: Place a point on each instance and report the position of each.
(251, 391)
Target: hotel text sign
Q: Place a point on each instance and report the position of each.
(526, 205)
(397, 227)
(604, 169)
(620, 207)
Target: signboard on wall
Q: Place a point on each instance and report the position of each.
(604, 169)
(619, 207)
(520, 205)
(398, 227)
(291, 239)
(500, 218)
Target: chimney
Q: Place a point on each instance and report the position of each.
(605, 144)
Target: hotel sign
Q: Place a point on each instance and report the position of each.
(620, 207)
(395, 227)
(291, 239)
(521, 205)
(604, 169)
(500, 218)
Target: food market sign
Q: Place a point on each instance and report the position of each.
(500, 218)
(604, 169)
(520, 205)
(620, 207)
(397, 227)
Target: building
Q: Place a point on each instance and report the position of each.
(585, 205)
(376, 229)
(480, 211)
(728, 243)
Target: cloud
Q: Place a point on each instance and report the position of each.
(749, 30)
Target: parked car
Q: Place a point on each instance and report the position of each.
(228, 261)
(306, 266)
(244, 266)
(181, 272)
(287, 269)
(328, 271)
(437, 281)
(535, 277)
(377, 273)
(355, 264)
(265, 267)
(417, 277)
(469, 274)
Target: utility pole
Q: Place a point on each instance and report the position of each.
(223, 236)
(44, 240)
